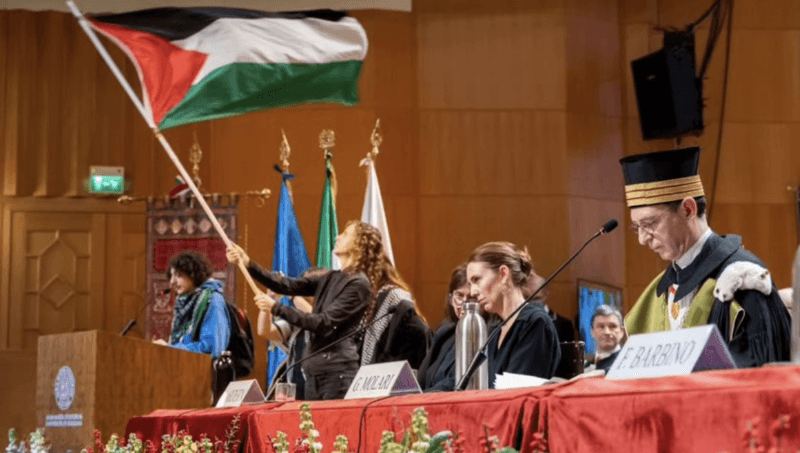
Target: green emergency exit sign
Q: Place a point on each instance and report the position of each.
(107, 180)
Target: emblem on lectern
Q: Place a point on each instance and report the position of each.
(65, 388)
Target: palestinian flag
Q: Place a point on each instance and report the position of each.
(198, 64)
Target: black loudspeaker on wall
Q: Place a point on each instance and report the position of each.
(668, 93)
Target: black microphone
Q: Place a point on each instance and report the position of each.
(609, 226)
(132, 322)
(128, 327)
(480, 356)
(271, 389)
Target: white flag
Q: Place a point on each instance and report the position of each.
(373, 212)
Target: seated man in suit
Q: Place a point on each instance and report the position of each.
(607, 333)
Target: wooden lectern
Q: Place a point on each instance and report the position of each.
(99, 380)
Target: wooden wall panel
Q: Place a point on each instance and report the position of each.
(760, 163)
(546, 10)
(388, 76)
(637, 11)
(781, 14)
(492, 152)
(53, 267)
(593, 69)
(604, 259)
(18, 392)
(460, 56)
(18, 85)
(125, 274)
(4, 72)
(772, 95)
(536, 222)
(595, 146)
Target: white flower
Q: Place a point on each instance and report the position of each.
(315, 433)
(318, 446)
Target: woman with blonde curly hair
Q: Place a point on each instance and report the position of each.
(341, 300)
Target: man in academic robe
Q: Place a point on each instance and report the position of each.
(710, 279)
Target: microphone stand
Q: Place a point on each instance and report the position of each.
(271, 389)
(480, 356)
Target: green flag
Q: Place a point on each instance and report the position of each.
(328, 225)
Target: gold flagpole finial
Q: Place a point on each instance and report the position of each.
(327, 140)
(195, 156)
(285, 152)
(376, 138)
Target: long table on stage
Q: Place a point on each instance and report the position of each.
(704, 412)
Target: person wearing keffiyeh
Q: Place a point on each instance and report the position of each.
(199, 306)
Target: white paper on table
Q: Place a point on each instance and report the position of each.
(515, 381)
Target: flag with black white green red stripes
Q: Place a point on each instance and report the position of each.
(198, 64)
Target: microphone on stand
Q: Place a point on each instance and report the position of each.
(128, 327)
(132, 322)
(480, 356)
(271, 389)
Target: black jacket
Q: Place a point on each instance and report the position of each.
(530, 347)
(340, 300)
(406, 338)
(438, 370)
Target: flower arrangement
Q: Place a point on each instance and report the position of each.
(182, 442)
(416, 439)
(308, 440)
(36, 442)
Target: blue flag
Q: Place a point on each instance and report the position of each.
(289, 257)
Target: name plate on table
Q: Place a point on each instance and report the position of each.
(672, 353)
(241, 392)
(383, 379)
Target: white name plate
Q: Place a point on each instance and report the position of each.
(672, 353)
(241, 392)
(383, 379)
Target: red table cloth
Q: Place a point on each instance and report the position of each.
(703, 412)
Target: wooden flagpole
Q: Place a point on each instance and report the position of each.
(84, 23)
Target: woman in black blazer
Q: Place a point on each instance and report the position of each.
(498, 273)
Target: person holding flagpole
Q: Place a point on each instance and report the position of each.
(291, 340)
(341, 298)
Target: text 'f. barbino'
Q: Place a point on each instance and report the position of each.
(198, 64)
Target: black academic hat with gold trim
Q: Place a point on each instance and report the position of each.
(661, 177)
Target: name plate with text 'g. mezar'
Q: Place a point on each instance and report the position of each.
(672, 353)
(383, 379)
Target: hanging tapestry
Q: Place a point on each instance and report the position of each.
(174, 225)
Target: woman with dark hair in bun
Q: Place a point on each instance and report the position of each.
(498, 273)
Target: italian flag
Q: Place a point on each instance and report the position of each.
(198, 64)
